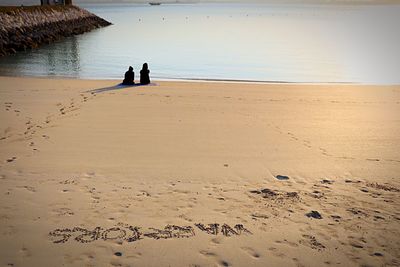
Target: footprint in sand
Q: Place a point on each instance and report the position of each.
(289, 243)
(324, 152)
(377, 254)
(377, 217)
(385, 187)
(347, 181)
(217, 240)
(212, 254)
(256, 216)
(326, 181)
(251, 252)
(224, 263)
(312, 242)
(8, 105)
(63, 212)
(29, 188)
(279, 197)
(356, 245)
(89, 174)
(356, 211)
(337, 218)
(68, 181)
(207, 253)
(25, 252)
(317, 194)
(11, 159)
(373, 159)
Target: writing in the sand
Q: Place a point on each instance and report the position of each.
(131, 233)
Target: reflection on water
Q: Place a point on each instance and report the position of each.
(293, 43)
(57, 59)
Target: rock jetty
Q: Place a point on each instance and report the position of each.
(23, 28)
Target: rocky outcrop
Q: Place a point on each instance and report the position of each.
(25, 28)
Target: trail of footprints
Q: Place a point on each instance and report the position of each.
(322, 150)
(32, 127)
(267, 201)
(321, 192)
(9, 107)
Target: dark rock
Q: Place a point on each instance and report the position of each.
(118, 254)
(282, 177)
(314, 214)
(30, 37)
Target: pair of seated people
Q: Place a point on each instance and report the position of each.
(144, 76)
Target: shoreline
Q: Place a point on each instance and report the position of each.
(306, 3)
(206, 80)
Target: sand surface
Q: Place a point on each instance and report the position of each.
(186, 174)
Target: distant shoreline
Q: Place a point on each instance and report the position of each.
(384, 2)
(199, 80)
(12, 3)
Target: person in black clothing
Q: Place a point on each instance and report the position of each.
(144, 74)
(129, 77)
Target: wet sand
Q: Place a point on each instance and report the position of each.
(198, 174)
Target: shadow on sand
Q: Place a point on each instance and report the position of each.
(116, 87)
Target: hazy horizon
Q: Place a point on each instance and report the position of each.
(34, 2)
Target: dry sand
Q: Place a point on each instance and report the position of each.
(185, 174)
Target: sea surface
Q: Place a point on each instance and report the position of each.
(258, 42)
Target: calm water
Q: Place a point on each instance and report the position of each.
(293, 43)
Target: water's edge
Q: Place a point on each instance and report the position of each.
(205, 80)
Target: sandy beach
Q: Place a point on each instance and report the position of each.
(198, 174)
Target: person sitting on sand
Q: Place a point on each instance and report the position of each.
(129, 77)
(144, 74)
